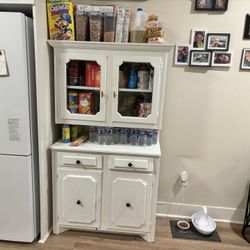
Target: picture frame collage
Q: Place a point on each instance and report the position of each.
(205, 50)
(211, 5)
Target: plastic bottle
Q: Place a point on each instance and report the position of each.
(132, 84)
(137, 30)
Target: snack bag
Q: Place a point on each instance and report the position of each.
(61, 19)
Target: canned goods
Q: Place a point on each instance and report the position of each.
(65, 133)
(73, 101)
(74, 132)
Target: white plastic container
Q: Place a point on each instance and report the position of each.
(137, 30)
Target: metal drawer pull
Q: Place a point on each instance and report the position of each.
(78, 202)
(78, 162)
(128, 204)
(130, 164)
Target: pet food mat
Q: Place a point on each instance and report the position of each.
(192, 233)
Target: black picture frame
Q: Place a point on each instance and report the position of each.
(218, 41)
(211, 5)
(204, 4)
(200, 58)
(245, 59)
(220, 5)
(246, 34)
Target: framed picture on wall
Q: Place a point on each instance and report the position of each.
(221, 5)
(204, 4)
(247, 27)
(222, 59)
(198, 38)
(200, 58)
(182, 54)
(218, 41)
(245, 59)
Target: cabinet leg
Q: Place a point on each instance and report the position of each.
(149, 237)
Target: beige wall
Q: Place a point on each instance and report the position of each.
(206, 128)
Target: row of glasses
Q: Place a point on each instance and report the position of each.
(115, 135)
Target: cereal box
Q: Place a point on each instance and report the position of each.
(61, 19)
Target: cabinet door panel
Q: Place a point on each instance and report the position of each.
(80, 86)
(129, 201)
(136, 84)
(79, 197)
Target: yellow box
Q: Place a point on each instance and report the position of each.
(61, 20)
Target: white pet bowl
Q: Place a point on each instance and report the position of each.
(204, 229)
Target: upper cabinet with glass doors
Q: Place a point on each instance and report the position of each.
(109, 84)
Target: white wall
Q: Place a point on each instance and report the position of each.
(206, 128)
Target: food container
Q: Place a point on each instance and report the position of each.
(86, 103)
(95, 26)
(92, 74)
(109, 27)
(61, 20)
(74, 132)
(143, 79)
(65, 133)
(82, 26)
(73, 101)
(182, 226)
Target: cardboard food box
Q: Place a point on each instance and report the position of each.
(61, 19)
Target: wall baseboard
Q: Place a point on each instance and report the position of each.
(223, 214)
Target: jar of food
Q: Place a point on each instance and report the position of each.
(82, 25)
(95, 26)
(109, 27)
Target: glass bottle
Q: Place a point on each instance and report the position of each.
(123, 136)
(149, 138)
(155, 136)
(116, 136)
(109, 136)
(133, 136)
(92, 134)
(101, 135)
(141, 137)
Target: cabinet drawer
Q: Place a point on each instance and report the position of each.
(131, 162)
(79, 160)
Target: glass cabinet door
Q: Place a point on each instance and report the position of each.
(81, 87)
(136, 89)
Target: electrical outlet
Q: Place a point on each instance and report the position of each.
(184, 178)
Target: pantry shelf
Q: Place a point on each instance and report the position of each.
(135, 90)
(84, 88)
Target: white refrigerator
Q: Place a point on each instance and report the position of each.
(19, 180)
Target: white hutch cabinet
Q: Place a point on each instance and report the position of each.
(110, 188)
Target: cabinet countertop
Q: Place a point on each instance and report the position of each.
(66, 44)
(148, 151)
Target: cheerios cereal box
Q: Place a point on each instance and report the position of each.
(61, 19)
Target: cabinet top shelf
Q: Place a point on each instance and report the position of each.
(127, 149)
(110, 46)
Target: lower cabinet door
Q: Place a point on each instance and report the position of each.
(129, 203)
(79, 197)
